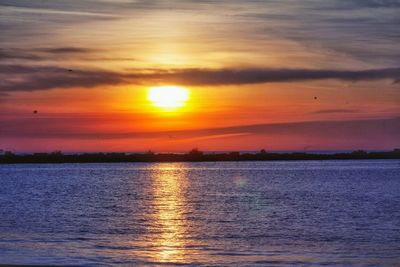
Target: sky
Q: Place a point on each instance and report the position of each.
(275, 74)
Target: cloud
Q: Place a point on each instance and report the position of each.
(56, 54)
(34, 78)
(254, 76)
(387, 129)
(305, 33)
(331, 111)
(59, 7)
(66, 50)
(7, 54)
(45, 53)
(367, 30)
(356, 4)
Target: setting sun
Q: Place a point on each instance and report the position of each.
(168, 97)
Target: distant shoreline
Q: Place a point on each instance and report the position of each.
(192, 156)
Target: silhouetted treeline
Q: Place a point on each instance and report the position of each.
(193, 155)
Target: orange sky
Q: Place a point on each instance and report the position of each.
(87, 67)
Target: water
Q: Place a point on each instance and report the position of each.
(315, 213)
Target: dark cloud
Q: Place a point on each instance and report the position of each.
(254, 76)
(10, 54)
(45, 53)
(32, 78)
(66, 50)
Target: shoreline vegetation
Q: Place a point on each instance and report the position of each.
(194, 155)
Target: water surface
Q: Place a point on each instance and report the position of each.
(303, 213)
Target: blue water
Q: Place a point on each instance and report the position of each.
(314, 213)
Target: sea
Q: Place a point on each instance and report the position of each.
(266, 213)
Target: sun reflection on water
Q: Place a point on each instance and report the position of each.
(169, 183)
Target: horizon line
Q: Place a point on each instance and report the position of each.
(306, 151)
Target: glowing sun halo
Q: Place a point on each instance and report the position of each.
(168, 97)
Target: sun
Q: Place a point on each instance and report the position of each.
(168, 97)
